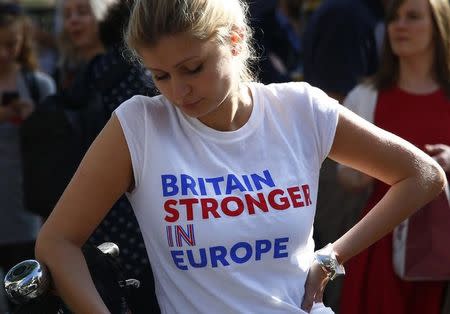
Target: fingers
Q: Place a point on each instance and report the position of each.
(308, 301)
(319, 295)
(314, 287)
(440, 153)
(434, 148)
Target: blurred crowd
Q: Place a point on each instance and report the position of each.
(75, 48)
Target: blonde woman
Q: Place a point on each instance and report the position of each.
(222, 174)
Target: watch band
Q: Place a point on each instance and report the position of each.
(326, 258)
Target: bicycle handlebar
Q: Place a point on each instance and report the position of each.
(29, 280)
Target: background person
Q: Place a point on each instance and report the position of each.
(413, 83)
(79, 39)
(21, 87)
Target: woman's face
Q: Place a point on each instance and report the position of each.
(11, 41)
(80, 23)
(196, 76)
(411, 30)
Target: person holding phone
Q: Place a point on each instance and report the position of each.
(18, 228)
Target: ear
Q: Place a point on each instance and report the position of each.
(236, 38)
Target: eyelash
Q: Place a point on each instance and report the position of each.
(165, 76)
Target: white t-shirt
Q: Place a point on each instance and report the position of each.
(227, 216)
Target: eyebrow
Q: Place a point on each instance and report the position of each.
(176, 65)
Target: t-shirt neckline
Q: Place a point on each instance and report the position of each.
(227, 136)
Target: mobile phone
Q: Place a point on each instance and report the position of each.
(8, 97)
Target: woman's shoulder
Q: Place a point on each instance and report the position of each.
(295, 87)
(294, 94)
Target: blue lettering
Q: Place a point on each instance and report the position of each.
(203, 259)
(278, 247)
(233, 184)
(215, 183)
(267, 180)
(178, 260)
(169, 185)
(201, 185)
(262, 246)
(218, 253)
(240, 253)
(247, 182)
(240, 260)
(187, 182)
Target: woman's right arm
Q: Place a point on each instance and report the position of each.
(104, 174)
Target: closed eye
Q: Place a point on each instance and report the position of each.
(196, 70)
(160, 77)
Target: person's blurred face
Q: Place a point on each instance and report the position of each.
(411, 30)
(196, 76)
(11, 40)
(80, 23)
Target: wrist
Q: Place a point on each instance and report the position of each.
(328, 260)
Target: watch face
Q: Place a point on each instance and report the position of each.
(329, 263)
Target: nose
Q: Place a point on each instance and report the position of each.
(180, 89)
(72, 18)
(400, 22)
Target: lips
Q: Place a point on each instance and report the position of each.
(76, 33)
(190, 104)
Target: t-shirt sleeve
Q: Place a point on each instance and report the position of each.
(312, 115)
(325, 111)
(132, 117)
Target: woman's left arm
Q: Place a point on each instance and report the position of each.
(415, 179)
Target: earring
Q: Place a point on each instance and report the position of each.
(234, 38)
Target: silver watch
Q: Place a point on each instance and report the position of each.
(326, 258)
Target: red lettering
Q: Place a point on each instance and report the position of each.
(233, 206)
(171, 210)
(295, 198)
(284, 201)
(227, 211)
(188, 202)
(260, 203)
(209, 205)
(306, 194)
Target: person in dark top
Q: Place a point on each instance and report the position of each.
(276, 38)
(126, 79)
(340, 44)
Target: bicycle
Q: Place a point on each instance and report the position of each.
(29, 285)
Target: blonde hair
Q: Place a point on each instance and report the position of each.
(27, 57)
(204, 19)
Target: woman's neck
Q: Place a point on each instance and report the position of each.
(416, 74)
(233, 113)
